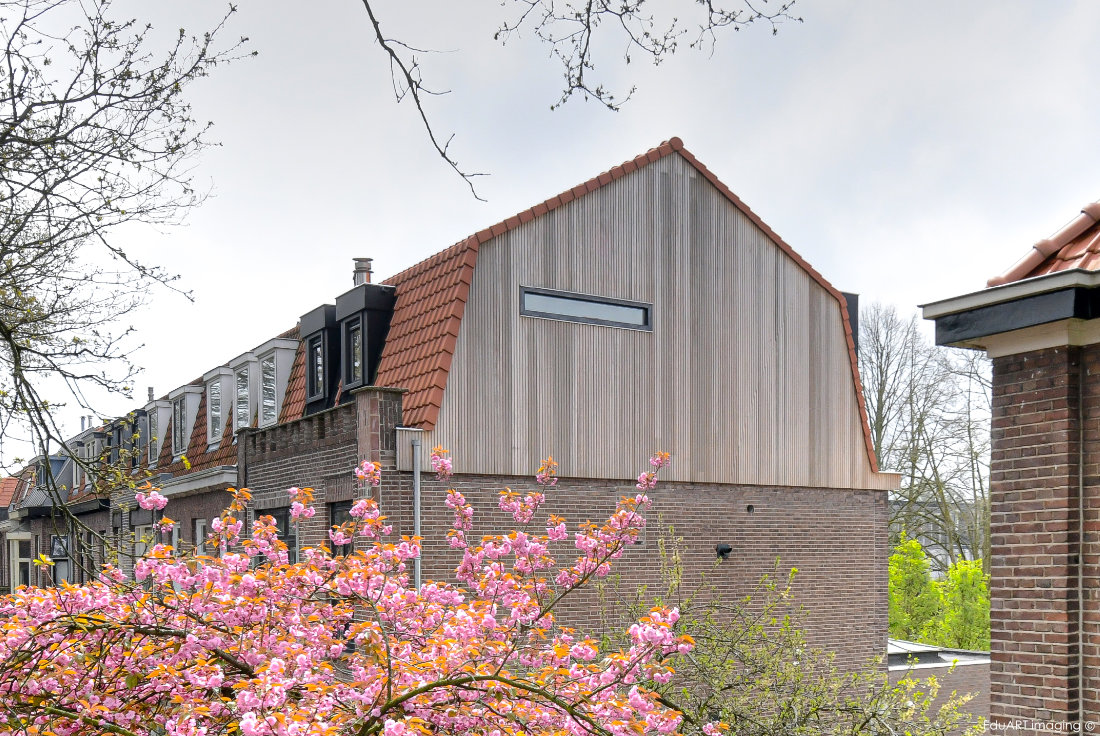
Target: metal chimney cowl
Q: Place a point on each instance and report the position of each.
(362, 272)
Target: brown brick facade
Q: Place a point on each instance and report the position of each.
(836, 538)
(1046, 456)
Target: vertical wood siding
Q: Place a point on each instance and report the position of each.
(745, 377)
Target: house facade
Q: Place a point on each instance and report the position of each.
(646, 309)
(1040, 324)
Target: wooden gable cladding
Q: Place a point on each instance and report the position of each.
(747, 376)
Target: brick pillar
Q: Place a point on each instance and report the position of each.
(379, 415)
(1034, 480)
(1090, 559)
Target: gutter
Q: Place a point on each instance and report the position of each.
(1011, 292)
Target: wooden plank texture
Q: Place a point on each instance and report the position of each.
(744, 379)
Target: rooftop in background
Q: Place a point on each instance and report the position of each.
(904, 655)
(1075, 246)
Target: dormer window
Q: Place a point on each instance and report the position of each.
(243, 416)
(269, 397)
(219, 387)
(153, 443)
(353, 371)
(179, 419)
(214, 411)
(315, 368)
(158, 415)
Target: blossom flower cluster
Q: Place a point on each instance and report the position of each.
(247, 642)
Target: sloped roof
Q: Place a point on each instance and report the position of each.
(294, 401)
(1075, 246)
(8, 488)
(431, 298)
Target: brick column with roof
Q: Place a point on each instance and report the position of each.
(1040, 324)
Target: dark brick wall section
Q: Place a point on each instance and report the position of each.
(836, 539)
(963, 679)
(314, 452)
(1035, 478)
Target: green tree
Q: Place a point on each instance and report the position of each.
(752, 669)
(964, 619)
(914, 599)
(96, 136)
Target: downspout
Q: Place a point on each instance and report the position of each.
(1082, 372)
(416, 508)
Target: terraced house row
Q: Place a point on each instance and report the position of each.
(646, 309)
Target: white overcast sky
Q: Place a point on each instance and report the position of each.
(909, 151)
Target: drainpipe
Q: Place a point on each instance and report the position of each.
(1081, 414)
(416, 508)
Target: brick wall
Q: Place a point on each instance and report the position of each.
(963, 679)
(836, 539)
(1036, 471)
(319, 451)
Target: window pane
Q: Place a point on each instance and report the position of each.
(316, 367)
(355, 338)
(269, 406)
(575, 308)
(340, 513)
(214, 398)
(243, 417)
(154, 432)
(177, 426)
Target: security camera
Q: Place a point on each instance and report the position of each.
(723, 551)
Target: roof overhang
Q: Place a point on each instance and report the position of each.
(1046, 311)
(216, 478)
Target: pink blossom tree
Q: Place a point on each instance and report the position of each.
(246, 642)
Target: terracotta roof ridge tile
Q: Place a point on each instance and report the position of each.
(1035, 260)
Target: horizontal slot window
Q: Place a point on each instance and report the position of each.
(586, 309)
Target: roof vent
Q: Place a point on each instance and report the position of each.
(362, 272)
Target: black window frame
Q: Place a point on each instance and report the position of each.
(343, 509)
(287, 529)
(315, 384)
(349, 326)
(591, 298)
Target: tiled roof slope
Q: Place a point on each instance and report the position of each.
(431, 298)
(1077, 245)
(198, 455)
(8, 487)
(294, 402)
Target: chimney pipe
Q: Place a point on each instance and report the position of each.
(151, 396)
(362, 272)
(81, 422)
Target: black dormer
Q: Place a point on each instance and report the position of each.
(321, 347)
(363, 320)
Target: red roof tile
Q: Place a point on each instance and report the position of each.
(294, 401)
(431, 298)
(8, 487)
(1075, 246)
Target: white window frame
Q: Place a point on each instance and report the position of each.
(219, 380)
(187, 397)
(281, 351)
(198, 528)
(142, 532)
(158, 412)
(14, 538)
(265, 419)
